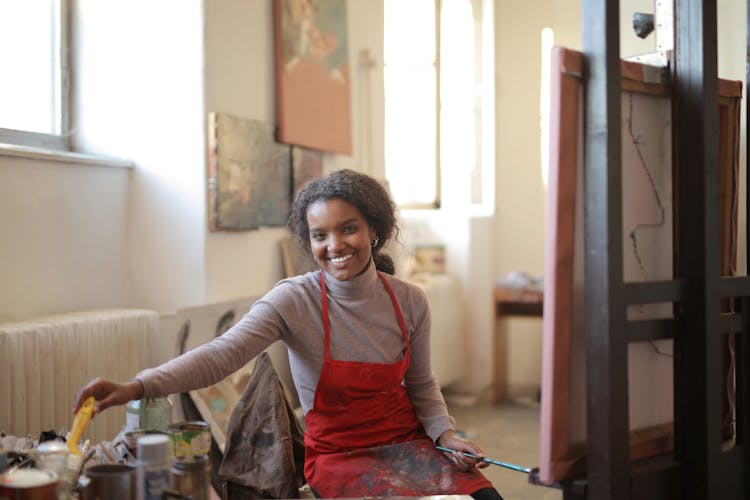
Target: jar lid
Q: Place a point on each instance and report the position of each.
(153, 448)
(27, 478)
(52, 446)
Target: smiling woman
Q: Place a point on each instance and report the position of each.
(340, 238)
(343, 220)
(359, 352)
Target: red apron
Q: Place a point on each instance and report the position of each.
(363, 437)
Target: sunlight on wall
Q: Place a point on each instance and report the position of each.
(142, 99)
(548, 40)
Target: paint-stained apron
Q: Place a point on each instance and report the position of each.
(363, 437)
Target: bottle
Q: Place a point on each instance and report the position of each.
(153, 467)
(133, 416)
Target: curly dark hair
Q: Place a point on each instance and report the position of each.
(362, 191)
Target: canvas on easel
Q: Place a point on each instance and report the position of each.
(648, 239)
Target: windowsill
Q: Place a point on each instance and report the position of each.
(32, 153)
(472, 211)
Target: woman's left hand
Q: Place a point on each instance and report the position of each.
(450, 439)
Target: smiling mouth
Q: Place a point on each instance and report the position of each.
(340, 260)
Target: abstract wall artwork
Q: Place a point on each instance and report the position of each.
(312, 74)
(307, 165)
(249, 175)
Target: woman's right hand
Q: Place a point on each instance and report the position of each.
(107, 393)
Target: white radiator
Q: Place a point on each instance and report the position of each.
(44, 361)
(447, 345)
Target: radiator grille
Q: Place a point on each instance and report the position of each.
(44, 361)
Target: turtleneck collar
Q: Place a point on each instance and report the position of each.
(355, 288)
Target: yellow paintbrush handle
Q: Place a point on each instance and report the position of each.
(79, 424)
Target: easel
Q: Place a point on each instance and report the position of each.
(698, 468)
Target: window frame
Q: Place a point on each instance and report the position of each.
(480, 197)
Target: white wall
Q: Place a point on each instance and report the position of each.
(139, 95)
(63, 247)
(519, 225)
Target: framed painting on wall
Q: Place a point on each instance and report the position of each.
(249, 175)
(307, 165)
(648, 240)
(312, 74)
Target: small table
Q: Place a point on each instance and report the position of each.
(510, 302)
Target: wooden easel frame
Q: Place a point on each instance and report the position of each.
(698, 468)
(560, 456)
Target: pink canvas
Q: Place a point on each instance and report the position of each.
(554, 462)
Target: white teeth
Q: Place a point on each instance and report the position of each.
(339, 260)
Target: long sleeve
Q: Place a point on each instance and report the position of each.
(211, 362)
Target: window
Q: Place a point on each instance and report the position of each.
(33, 89)
(439, 102)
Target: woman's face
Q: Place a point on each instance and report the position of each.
(339, 238)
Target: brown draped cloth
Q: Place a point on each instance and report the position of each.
(265, 451)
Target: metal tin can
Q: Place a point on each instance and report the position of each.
(192, 478)
(190, 440)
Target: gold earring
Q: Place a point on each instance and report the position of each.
(374, 242)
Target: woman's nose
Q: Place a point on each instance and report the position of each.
(334, 243)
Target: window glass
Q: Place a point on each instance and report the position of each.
(30, 50)
(433, 102)
(411, 129)
(410, 134)
(409, 31)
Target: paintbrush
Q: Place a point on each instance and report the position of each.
(507, 465)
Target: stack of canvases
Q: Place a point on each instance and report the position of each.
(46, 360)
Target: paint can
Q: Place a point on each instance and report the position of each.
(110, 482)
(190, 440)
(192, 478)
(28, 484)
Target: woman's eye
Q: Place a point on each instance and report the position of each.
(317, 236)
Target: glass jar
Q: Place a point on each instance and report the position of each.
(150, 414)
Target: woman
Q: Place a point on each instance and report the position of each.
(358, 344)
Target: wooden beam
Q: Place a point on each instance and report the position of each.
(697, 355)
(606, 335)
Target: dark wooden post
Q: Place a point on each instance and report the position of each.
(697, 356)
(606, 338)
